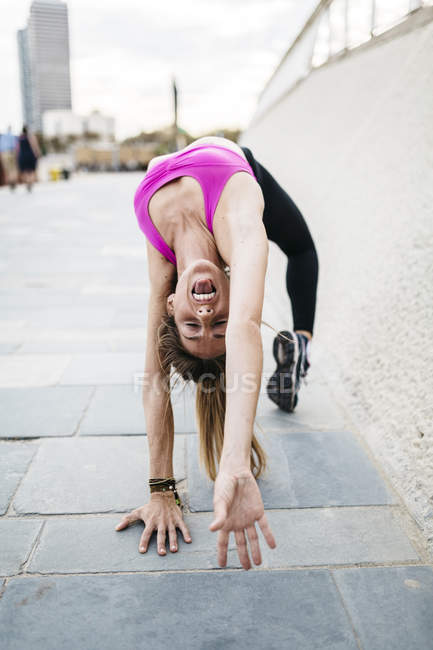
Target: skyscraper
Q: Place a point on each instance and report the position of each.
(43, 48)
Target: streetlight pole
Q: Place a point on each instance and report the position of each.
(373, 17)
(175, 102)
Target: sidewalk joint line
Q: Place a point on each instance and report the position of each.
(75, 432)
(346, 610)
(25, 563)
(216, 569)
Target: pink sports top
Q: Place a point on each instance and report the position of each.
(210, 164)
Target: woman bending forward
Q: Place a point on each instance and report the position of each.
(205, 209)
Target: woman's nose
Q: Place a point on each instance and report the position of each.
(204, 311)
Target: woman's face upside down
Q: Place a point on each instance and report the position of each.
(200, 306)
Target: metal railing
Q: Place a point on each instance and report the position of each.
(333, 28)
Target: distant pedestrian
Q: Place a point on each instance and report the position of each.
(8, 153)
(28, 154)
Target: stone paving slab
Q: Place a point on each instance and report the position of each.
(277, 489)
(304, 538)
(294, 609)
(31, 369)
(136, 346)
(134, 277)
(316, 411)
(117, 294)
(90, 297)
(15, 458)
(54, 264)
(130, 318)
(101, 419)
(50, 281)
(77, 316)
(118, 298)
(14, 315)
(326, 536)
(332, 469)
(118, 410)
(34, 298)
(8, 348)
(305, 470)
(19, 334)
(62, 347)
(17, 537)
(91, 545)
(108, 368)
(43, 411)
(85, 475)
(390, 607)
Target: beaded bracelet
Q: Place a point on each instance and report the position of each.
(165, 485)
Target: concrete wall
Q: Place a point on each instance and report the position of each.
(353, 146)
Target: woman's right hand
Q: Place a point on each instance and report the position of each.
(161, 514)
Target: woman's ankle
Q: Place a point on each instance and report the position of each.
(305, 333)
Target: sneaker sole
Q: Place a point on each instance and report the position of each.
(287, 399)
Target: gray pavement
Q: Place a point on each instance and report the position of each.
(349, 570)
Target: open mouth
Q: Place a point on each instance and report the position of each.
(203, 290)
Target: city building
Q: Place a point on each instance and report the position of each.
(62, 123)
(100, 124)
(43, 49)
(25, 77)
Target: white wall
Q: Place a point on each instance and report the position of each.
(353, 146)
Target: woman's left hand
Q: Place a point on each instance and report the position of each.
(237, 506)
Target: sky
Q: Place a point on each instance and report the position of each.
(125, 53)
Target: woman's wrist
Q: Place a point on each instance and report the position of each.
(156, 496)
(165, 485)
(162, 466)
(234, 463)
(236, 454)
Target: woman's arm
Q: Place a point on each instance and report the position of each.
(34, 145)
(244, 354)
(243, 243)
(161, 513)
(158, 411)
(237, 500)
(159, 421)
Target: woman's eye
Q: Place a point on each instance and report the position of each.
(220, 322)
(191, 324)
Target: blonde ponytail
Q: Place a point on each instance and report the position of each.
(209, 375)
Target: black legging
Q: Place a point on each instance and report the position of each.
(286, 227)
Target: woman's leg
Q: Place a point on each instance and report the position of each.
(28, 179)
(286, 227)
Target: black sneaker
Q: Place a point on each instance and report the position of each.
(290, 353)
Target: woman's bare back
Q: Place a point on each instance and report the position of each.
(209, 139)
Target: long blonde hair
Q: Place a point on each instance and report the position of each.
(209, 375)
